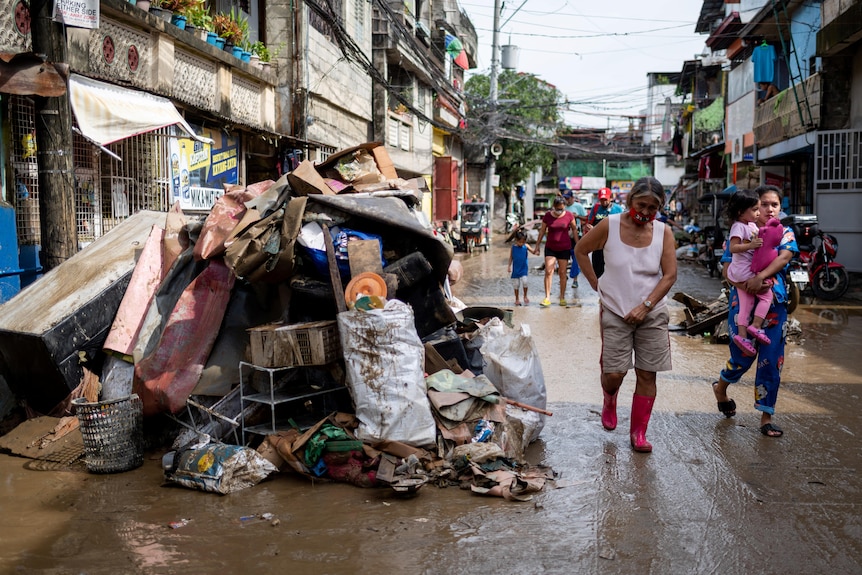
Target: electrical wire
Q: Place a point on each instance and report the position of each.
(354, 54)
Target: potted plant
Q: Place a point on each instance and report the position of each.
(227, 28)
(199, 17)
(177, 8)
(159, 11)
(256, 50)
(261, 51)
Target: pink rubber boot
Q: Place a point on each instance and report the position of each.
(609, 411)
(641, 412)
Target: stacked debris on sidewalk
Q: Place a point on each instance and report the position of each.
(303, 325)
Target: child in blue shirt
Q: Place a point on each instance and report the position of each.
(518, 266)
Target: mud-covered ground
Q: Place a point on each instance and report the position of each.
(715, 496)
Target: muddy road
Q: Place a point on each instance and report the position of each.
(715, 496)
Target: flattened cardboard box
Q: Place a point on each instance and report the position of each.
(305, 180)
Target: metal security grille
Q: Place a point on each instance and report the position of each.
(107, 190)
(838, 160)
(141, 181)
(86, 162)
(25, 169)
(324, 152)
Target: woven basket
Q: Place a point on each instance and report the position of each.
(113, 433)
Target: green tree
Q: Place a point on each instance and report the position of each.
(524, 122)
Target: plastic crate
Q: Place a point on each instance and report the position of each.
(300, 344)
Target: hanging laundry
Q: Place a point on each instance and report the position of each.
(676, 145)
(666, 121)
(764, 63)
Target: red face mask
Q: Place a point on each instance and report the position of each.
(639, 218)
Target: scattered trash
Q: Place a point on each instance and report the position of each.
(178, 524)
(483, 431)
(218, 468)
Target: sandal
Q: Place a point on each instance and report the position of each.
(728, 408)
(759, 335)
(771, 430)
(745, 345)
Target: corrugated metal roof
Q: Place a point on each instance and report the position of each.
(710, 12)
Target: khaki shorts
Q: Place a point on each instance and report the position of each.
(650, 342)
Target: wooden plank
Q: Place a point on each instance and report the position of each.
(364, 256)
(334, 276)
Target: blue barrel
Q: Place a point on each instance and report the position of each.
(31, 266)
(10, 271)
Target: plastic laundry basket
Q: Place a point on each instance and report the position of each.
(113, 433)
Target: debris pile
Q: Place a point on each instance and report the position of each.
(303, 325)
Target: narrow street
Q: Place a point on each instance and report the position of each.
(715, 496)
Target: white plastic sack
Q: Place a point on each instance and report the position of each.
(511, 362)
(384, 359)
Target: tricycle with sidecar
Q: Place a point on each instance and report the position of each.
(474, 225)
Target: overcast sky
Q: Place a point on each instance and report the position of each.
(596, 53)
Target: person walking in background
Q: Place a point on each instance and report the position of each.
(743, 210)
(600, 210)
(640, 269)
(559, 226)
(573, 206)
(770, 357)
(518, 267)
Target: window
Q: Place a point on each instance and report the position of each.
(322, 24)
(359, 19)
(399, 132)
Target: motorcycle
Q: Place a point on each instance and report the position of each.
(815, 265)
(446, 231)
(515, 218)
(711, 208)
(708, 244)
(513, 221)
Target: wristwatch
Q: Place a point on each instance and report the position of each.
(648, 304)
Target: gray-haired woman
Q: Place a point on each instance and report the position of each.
(640, 269)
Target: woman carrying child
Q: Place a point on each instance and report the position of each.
(743, 210)
(770, 357)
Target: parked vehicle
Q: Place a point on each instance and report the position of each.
(712, 229)
(448, 232)
(815, 266)
(515, 218)
(474, 226)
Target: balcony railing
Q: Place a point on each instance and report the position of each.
(790, 113)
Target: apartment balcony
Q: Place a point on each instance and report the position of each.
(406, 41)
(790, 113)
(135, 49)
(832, 10)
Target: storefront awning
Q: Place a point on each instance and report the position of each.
(108, 113)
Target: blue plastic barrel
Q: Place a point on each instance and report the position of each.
(10, 271)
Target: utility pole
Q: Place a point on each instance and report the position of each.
(54, 147)
(492, 160)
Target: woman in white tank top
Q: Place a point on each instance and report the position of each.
(640, 269)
